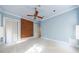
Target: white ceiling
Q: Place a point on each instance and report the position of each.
(45, 10)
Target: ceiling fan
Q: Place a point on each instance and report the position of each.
(36, 14)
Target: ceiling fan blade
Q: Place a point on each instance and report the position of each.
(30, 15)
(36, 14)
(40, 17)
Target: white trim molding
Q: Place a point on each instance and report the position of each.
(58, 41)
(12, 14)
(60, 13)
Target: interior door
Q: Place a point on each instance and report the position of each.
(11, 28)
(26, 28)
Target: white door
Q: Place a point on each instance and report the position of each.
(11, 29)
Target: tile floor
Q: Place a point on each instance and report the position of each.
(36, 45)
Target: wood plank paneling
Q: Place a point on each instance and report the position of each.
(26, 28)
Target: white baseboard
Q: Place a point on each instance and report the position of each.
(57, 41)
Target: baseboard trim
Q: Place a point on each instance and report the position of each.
(59, 42)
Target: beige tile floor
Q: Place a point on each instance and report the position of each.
(35, 45)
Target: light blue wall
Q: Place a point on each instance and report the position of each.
(4, 14)
(61, 27)
(9, 15)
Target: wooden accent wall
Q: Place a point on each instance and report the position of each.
(26, 28)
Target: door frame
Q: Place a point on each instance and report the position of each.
(18, 28)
